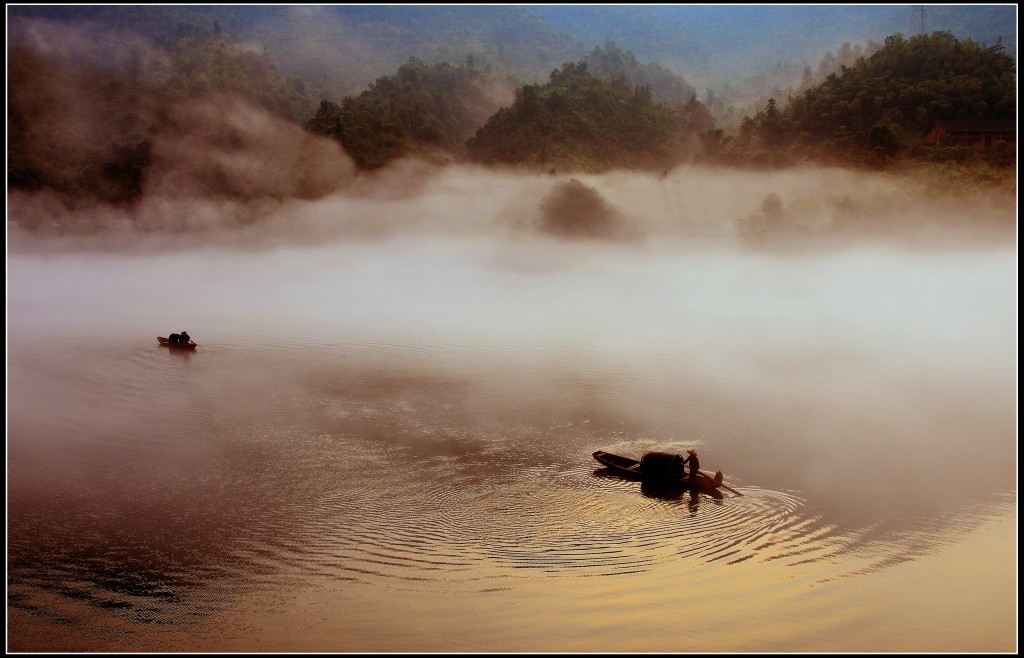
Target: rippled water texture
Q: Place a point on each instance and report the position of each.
(388, 448)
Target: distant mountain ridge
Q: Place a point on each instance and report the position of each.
(340, 50)
(343, 48)
(732, 40)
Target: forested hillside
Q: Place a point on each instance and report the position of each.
(745, 53)
(420, 110)
(883, 106)
(911, 83)
(433, 110)
(212, 60)
(90, 86)
(81, 124)
(579, 122)
(611, 63)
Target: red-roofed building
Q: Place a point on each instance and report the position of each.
(976, 133)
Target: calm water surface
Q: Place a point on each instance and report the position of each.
(393, 453)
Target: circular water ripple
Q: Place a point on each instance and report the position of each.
(449, 525)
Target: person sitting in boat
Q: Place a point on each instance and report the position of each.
(693, 462)
(184, 338)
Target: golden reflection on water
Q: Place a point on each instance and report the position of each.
(920, 605)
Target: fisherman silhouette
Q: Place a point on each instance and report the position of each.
(693, 462)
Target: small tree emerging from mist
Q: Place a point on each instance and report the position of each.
(772, 205)
(766, 223)
(575, 210)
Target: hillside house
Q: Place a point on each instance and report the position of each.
(975, 133)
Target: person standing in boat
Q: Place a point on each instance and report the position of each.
(693, 462)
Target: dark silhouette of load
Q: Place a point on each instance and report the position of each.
(661, 464)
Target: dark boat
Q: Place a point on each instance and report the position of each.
(176, 346)
(661, 468)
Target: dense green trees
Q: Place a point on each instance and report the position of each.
(873, 111)
(578, 211)
(79, 132)
(910, 84)
(579, 122)
(612, 63)
(419, 109)
(210, 60)
(84, 130)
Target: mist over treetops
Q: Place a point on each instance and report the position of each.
(95, 94)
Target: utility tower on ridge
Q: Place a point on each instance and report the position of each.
(916, 20)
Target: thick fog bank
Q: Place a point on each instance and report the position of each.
(266, 202)
(865, 377)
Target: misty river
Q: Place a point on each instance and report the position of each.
(383, 442)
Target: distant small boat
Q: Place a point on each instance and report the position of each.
(661, 468)
(176, 346)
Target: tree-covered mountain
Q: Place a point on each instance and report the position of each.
(887, 103)
(737, 55)
(578, 121)
(421, 109)
(434, 109)
(741, 55)
(611, 63)
(80, 120)
(206, 61)
(605, 111)
(709, 43)
(89, 86)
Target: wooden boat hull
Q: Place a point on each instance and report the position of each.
(175, 346)
(631, 468)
